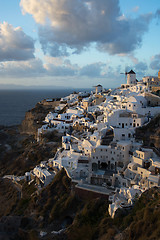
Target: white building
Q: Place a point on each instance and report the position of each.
(131, 78)
(43, 175)
(98, 88)
(124, 199)
(66, 142)
(72, 159)
(125, 119)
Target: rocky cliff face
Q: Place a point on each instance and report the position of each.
(29, 125)
(150, 134)
(34, 119)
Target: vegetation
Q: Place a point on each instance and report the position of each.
(57, 206)
(8, 197)
(21, 153)
(56, 201)
(87, 220)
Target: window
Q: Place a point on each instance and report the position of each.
(137, 124)
(130, 124)
(106, 150)
(119, 124)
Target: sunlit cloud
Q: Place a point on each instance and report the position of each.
(15, 44)
(70, 26)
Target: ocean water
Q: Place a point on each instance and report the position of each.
(14, 103)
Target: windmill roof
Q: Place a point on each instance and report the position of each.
(99, 85)
(131, 72)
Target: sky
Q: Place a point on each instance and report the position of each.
(78, 43)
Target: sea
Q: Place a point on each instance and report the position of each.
(15, 103)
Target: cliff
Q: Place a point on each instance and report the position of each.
(34, 119)
(150, 133)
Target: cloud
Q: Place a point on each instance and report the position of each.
(155, 62)
(55, 67)
(63, 70)
(36, 68)
(133, 59)
(15, 44)
(141, 66)
(70, 26)
(135, 9)
(158, 13)
(129, 35)
(18, 69)
(92, 70)
(140, 69)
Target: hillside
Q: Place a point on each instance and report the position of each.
(20, 152)
(34, 119)
(56, 207)
(28, 211)
(150, 133)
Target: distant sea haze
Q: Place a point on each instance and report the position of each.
(15, 103)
